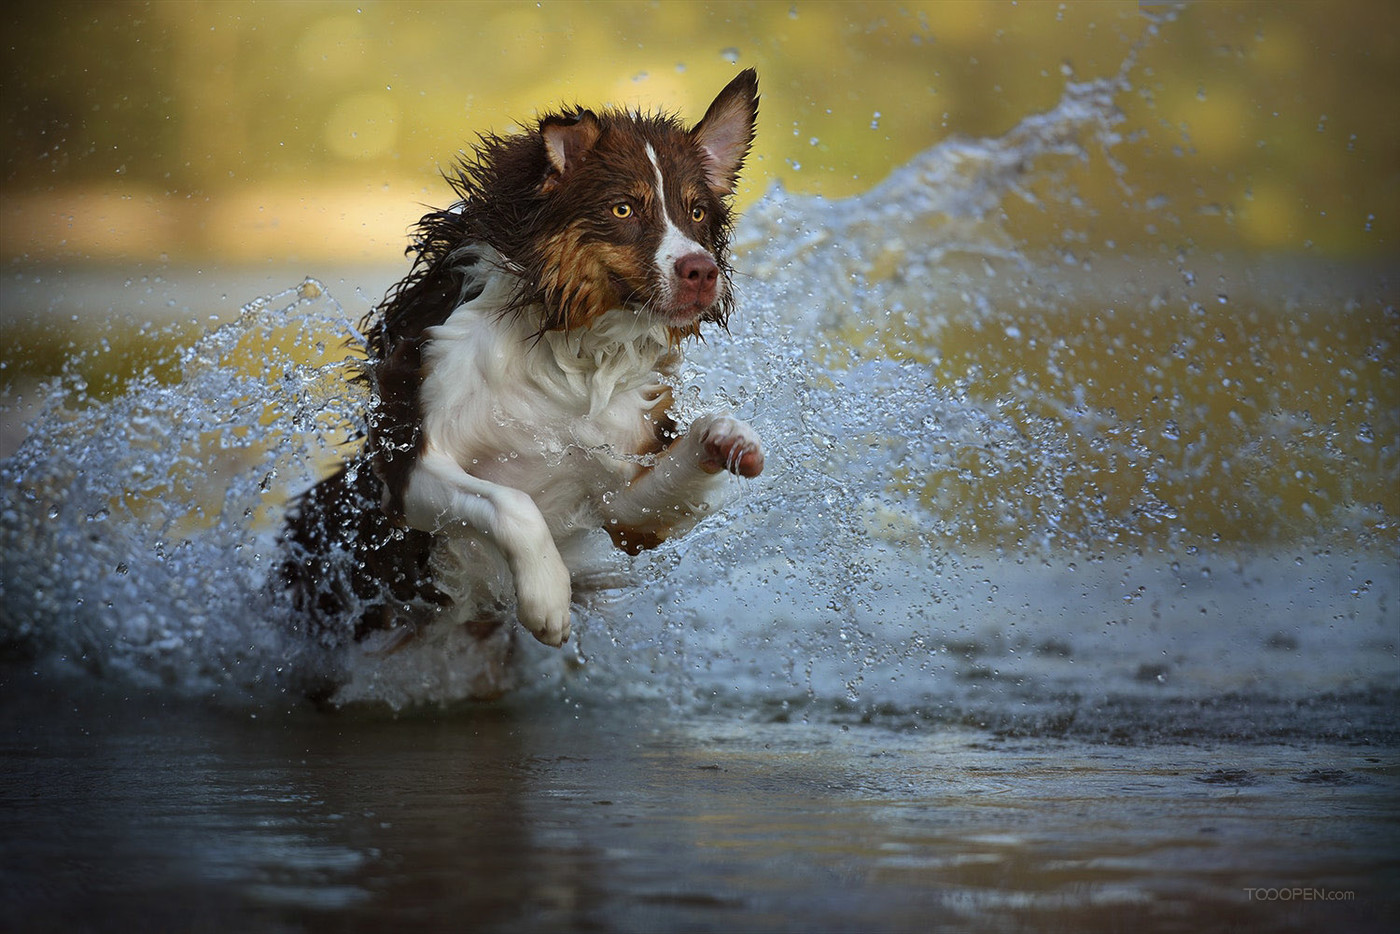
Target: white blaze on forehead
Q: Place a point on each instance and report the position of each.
(674, 244)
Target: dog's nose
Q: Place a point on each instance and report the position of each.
(697, 272)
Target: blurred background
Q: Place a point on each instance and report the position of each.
(169, 162)
(308, 133)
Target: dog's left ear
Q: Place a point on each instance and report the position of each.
(725, 133)
(567, 140)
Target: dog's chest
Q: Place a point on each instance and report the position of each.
(564, 418)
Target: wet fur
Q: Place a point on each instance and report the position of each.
(535, 320)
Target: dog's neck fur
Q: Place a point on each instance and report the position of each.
(622, 349)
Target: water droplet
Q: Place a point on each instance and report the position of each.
(730, 55)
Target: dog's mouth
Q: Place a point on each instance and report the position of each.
(673, 310)
(685, 313)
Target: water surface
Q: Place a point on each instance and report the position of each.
(129, 812)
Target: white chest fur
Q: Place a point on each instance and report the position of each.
(558, 416)
(532, 441)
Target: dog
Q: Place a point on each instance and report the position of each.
(522, 378)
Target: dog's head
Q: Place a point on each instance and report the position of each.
(605, 210)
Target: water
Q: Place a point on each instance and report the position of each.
(526, 816)
(1068, 597)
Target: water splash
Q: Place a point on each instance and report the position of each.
(992, 470)
(137, 540)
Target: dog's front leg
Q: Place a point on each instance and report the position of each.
(670, 496)
(441, 496)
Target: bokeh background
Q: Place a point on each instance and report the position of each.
(225, 132)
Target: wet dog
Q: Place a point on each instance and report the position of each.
(522, 377)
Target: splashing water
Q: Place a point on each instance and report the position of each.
(139, 540)
(993, 475)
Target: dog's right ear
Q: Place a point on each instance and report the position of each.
(567, 140)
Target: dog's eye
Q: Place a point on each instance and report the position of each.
(622, 209)
(697, 214)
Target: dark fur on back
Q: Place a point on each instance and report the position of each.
(345, 553)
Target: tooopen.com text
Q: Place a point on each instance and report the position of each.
(1299, 894)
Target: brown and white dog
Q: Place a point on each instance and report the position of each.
(522, 375)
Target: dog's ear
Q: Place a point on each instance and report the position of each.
(725, 133)
(567, 140)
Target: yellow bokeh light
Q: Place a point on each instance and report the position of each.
(363, 126)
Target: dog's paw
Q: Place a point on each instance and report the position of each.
(541, 578)
(542, 595)
(726, 443)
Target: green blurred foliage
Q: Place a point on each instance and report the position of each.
(1262, 126)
